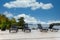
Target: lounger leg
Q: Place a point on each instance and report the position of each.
(41, 30)
(29, 30)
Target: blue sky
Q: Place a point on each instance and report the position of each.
(50, 9)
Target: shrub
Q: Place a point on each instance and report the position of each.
(3, 28)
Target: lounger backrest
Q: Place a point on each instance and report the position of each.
(54, 24)
(39, 26)
(25, 25)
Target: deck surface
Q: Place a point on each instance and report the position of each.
(34, 35)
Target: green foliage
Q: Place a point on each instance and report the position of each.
(21, 22)
(13, 21)
(8, 24)
(2, 21)
(5, 22)
(3, 26)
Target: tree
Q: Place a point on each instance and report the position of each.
(3, 21)
(21, 22)
(8, 23)
(13, 21)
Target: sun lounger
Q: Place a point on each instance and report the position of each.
(41, 28)
(13, 29)
(26, 28)
(54, 27)
(45, 29)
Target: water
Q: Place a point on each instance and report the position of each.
(43, 25)
(33, 26)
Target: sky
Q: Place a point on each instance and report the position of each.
(34, 11)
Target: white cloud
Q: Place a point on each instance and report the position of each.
(33, 4)
(53, 21)
(8, 14)
(33, 20)
(42, 22)
(46, 6)
(27, 18)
